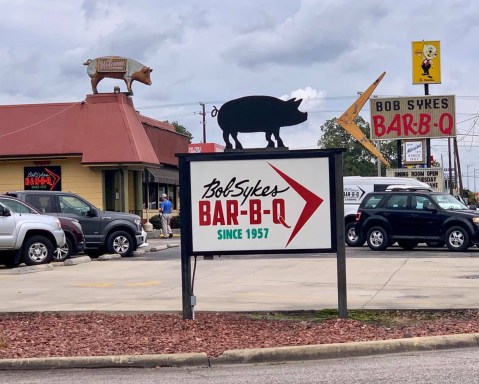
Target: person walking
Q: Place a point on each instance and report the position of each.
(165, 209)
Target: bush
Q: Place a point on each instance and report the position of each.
(174, 223)
(156, 221)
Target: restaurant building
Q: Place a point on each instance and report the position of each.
(100, 148)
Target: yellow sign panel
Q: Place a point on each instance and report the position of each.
(426, 62)
(346, 120)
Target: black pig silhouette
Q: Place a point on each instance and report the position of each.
(258, 114)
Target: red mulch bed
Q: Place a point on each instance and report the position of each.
(96, 334)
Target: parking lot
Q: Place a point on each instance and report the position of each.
(423, 278)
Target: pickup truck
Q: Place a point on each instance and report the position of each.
(28, 237)
(105, 232)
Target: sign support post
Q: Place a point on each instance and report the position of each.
(188, 307)
(341, 246)
(186, 246)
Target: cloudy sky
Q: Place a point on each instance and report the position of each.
(212, 51)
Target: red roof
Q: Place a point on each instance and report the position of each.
(105, 128)
(157, 123)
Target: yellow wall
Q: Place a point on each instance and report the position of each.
(75, 178)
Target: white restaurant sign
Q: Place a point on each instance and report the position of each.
(432, 176)
(413, 117)
(275, 204)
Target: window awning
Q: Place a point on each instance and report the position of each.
(164, 175)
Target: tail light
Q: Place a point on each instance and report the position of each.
(358, 215)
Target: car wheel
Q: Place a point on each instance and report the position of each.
(37, 250)
(378, 239)
(120, 242)
(457, 239)
(63, 253)
(408, 244)
(351, 238)
(435, 244)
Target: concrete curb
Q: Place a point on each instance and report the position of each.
(28, 269)
(251, 356)
(341, 350)
(123, 361)
(158, 248)
(109, 256)
(77, 260)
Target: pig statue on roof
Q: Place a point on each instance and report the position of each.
(117, 67)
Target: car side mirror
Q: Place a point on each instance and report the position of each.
(431, 208)
(92, 213)
(4, 211)
(472, 206)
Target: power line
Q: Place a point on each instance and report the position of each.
(304, 98)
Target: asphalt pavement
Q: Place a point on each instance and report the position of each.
(153, 283)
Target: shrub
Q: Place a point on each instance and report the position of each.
(156, 221)
(174, 223)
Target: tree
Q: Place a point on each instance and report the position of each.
(357, 160)
(181, 129)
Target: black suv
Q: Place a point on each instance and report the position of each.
(112, 232)
(410, 217)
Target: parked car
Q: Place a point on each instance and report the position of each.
(105, 231)
(413, 216)
(355, 189)
(74, 238)
(28, 237)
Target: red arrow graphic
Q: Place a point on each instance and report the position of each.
(55, 178)
(312, 202)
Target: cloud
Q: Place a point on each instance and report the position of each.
(316, 33)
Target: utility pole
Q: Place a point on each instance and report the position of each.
(458, 169)
(203, 113)
(451, 183)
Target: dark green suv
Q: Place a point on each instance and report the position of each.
(112, 232)
(410, 217)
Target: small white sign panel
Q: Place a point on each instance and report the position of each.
(272, 204)
(414, 152)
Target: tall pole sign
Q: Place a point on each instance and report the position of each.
(426, 62)
(426, 69)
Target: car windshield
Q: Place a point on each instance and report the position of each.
(446, 201)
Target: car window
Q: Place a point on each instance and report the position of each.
(397, 202)
(372, 201)
(44, 203)
(421, 203)
(71, 204)
(446, 201)
(16, 206)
